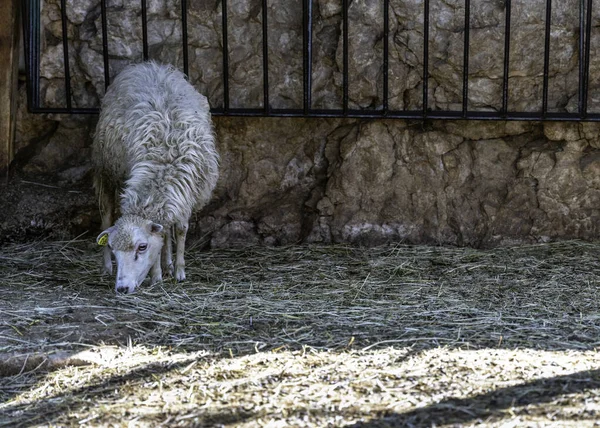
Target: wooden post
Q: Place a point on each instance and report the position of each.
(9, 69)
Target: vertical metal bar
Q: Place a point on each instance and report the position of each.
(586, 68)
(36, 30)
(307, 36)
(25, 16)
(345, 57)
(265, 41)
(184, 36)
(425, 57)
(37, 51)
(65, 42)
(225, 58)
(386, 53)
(581, 55)
(465, 100)
(32, 56)
(145, 29)
(105, 44)
(506, 58)
(546, 58)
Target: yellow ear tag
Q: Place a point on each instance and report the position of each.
(103, 240)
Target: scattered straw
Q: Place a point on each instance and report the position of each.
(268, 308)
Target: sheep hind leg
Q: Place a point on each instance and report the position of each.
(167, 253)
(181, 229)
(106, 201)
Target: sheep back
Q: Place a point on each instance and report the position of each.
(154, 141)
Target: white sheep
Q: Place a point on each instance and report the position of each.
(154, 144)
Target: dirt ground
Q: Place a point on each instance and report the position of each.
(44, 207)
(304, 336)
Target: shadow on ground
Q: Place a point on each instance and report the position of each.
(491, 406)
(260, 301)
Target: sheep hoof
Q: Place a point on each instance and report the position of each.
(156, 279)
(180, 274)
(168, 270)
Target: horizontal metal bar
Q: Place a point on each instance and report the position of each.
(409, 114)
(58, 110)
(367, 114)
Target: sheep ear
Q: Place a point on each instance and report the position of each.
(156, 228)
(102, 239)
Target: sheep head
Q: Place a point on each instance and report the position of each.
(136, 243)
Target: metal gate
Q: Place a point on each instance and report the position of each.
(32, 28)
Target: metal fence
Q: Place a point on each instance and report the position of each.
(32, 27)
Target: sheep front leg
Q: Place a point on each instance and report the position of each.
(167, 253)
(156, 272)
(106, 196)
(181, 229)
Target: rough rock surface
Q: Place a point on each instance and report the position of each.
(370, 182)
(285, 45)
(364, 182)
(332, 180)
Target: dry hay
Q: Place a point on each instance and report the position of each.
(307, 336)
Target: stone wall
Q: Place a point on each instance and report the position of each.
(368, 182)
(332, 180)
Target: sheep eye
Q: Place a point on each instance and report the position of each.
(142, 248)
